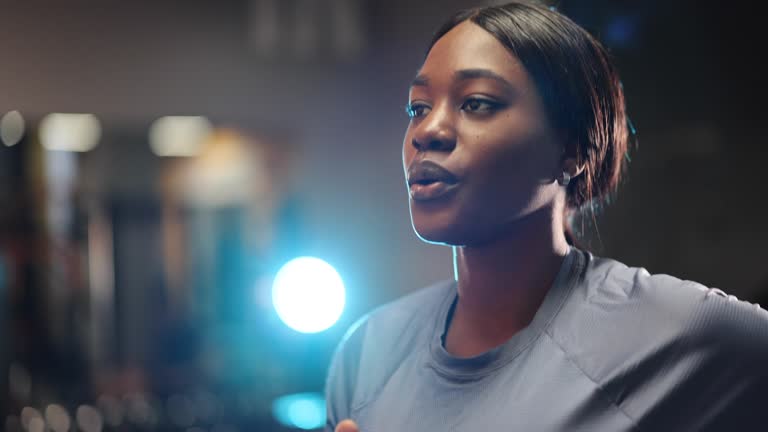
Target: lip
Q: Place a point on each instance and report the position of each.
(429, 180)
(431, 191)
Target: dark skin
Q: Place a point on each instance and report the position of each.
(476, 112)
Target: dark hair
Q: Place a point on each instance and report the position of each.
(578, 83)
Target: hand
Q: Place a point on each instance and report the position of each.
(347, 426)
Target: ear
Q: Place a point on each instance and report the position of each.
(572, 167)
(569, 162)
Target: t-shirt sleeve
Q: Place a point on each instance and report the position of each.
(721, 371)
(739, 391)
(342, 375)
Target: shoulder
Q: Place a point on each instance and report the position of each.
(686, 309)
(378, 342)
(636, 309)
(660, 345)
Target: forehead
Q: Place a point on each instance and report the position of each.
(468, 46)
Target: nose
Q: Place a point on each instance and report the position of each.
(435, 132)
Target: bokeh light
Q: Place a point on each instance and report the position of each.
(70, 132)
(27, 415)
(179, 135)
(301, 410)
(89, 419)
(36, 424)
(308, 295)
(11, 128)
(57, 418)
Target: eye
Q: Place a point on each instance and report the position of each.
(417, 109)
(479, 105)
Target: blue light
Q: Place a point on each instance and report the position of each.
(301, 410)
(308, 295)
(621, 30)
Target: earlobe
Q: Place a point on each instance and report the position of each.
(572, 167)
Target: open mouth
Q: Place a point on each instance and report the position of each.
(429, 180)
(430, 189)
(427, 172)
(425, 182)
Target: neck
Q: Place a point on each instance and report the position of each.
(502, 283)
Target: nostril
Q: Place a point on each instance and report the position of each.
(433, 143)
(437, 144)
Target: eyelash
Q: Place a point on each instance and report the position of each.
(413, 110)
(489, 104)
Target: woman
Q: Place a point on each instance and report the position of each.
(517, 121)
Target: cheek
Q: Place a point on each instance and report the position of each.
(408, 149)
(517, 148)
(499, 163)
(510, 170)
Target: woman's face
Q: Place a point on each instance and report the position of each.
(479, 153)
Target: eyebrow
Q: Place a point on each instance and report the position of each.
(420, 81)
(466, 74)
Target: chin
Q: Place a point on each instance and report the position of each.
(436, 238)
(454, 237)
(448, 234)
(436, 227)
(468, 229)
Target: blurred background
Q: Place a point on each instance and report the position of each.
(162, 162)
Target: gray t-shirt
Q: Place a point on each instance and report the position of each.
(611, 348)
